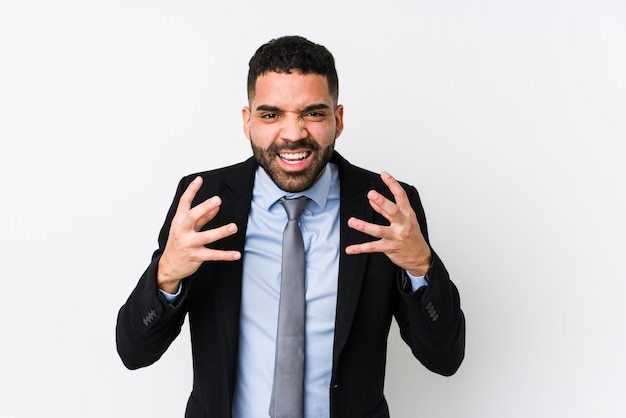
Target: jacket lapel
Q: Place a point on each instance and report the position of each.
(353, 202)
(236, 197)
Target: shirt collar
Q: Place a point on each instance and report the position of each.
(268, 193)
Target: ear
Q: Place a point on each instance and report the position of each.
(338, 120)
(246, 115)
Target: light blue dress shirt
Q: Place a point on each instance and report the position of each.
(319, 223)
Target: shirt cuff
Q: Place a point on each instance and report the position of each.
(416, 281)
(171, 297)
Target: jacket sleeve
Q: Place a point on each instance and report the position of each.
(430, 319)
(147, 323)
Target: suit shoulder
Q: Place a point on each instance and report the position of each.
(225, 171)
(373, 179)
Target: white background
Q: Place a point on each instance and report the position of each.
(509, 118)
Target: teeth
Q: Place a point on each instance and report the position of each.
(293, 156)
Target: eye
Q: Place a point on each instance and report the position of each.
(269, 115)
(314, 115)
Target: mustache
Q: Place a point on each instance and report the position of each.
(306, 144)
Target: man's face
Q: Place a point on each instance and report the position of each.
(292, 124)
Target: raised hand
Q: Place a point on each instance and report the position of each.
(185, 250)
(402, 241)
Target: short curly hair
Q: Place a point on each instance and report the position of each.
(293, 53)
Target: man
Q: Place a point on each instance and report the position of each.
(367, 259)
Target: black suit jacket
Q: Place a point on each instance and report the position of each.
(370, 291)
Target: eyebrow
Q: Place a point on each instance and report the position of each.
(309, 108)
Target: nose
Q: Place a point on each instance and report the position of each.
(294, 128)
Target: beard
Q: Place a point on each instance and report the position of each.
(299, 181)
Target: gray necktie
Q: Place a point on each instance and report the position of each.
(288, 390)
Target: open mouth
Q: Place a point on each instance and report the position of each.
(294, 157)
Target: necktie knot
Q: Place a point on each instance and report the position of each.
(294, 207)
